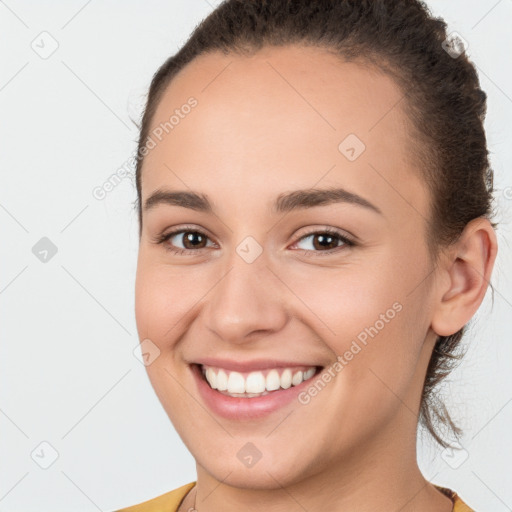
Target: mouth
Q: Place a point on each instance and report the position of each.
(255, 384)
(251, 391)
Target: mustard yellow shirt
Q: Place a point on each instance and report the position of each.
(170, 501)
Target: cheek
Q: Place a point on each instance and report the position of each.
(371, 326)
(347, 300)
(367, 315)
(164, 298)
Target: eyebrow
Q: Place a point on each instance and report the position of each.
(286, 202)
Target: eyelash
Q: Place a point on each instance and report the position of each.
(347, 242)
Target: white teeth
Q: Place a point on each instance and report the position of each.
(222, 380)
(236, 383)
(211, 377)
(273, 380)
(309, 373)
(255, 383)
(286, 379)
(297, 378)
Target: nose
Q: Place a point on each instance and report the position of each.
(248, 301)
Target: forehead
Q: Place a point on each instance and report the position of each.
(284, 118)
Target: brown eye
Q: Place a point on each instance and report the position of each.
(185, 241)
(324, 242)
(192, 239)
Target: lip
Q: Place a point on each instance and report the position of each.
(238, 408)
(249, 366)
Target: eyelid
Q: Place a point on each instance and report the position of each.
(328, 229)
(165, 235)
(348, 240)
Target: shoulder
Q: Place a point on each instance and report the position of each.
(169, 501)
(458, 504)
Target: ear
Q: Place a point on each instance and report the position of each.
(465, 275)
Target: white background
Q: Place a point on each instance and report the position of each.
(68, 373)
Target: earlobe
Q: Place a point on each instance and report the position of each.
(468, 271)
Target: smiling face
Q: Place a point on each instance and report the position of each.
(252, 277)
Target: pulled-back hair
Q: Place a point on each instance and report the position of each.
(441, 91)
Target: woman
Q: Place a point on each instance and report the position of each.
(314, 200)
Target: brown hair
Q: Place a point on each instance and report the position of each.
(444, 101)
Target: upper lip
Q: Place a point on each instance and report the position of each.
(247, 366)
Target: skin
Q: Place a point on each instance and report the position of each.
(263, 126)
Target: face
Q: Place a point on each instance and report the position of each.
(250, 274)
